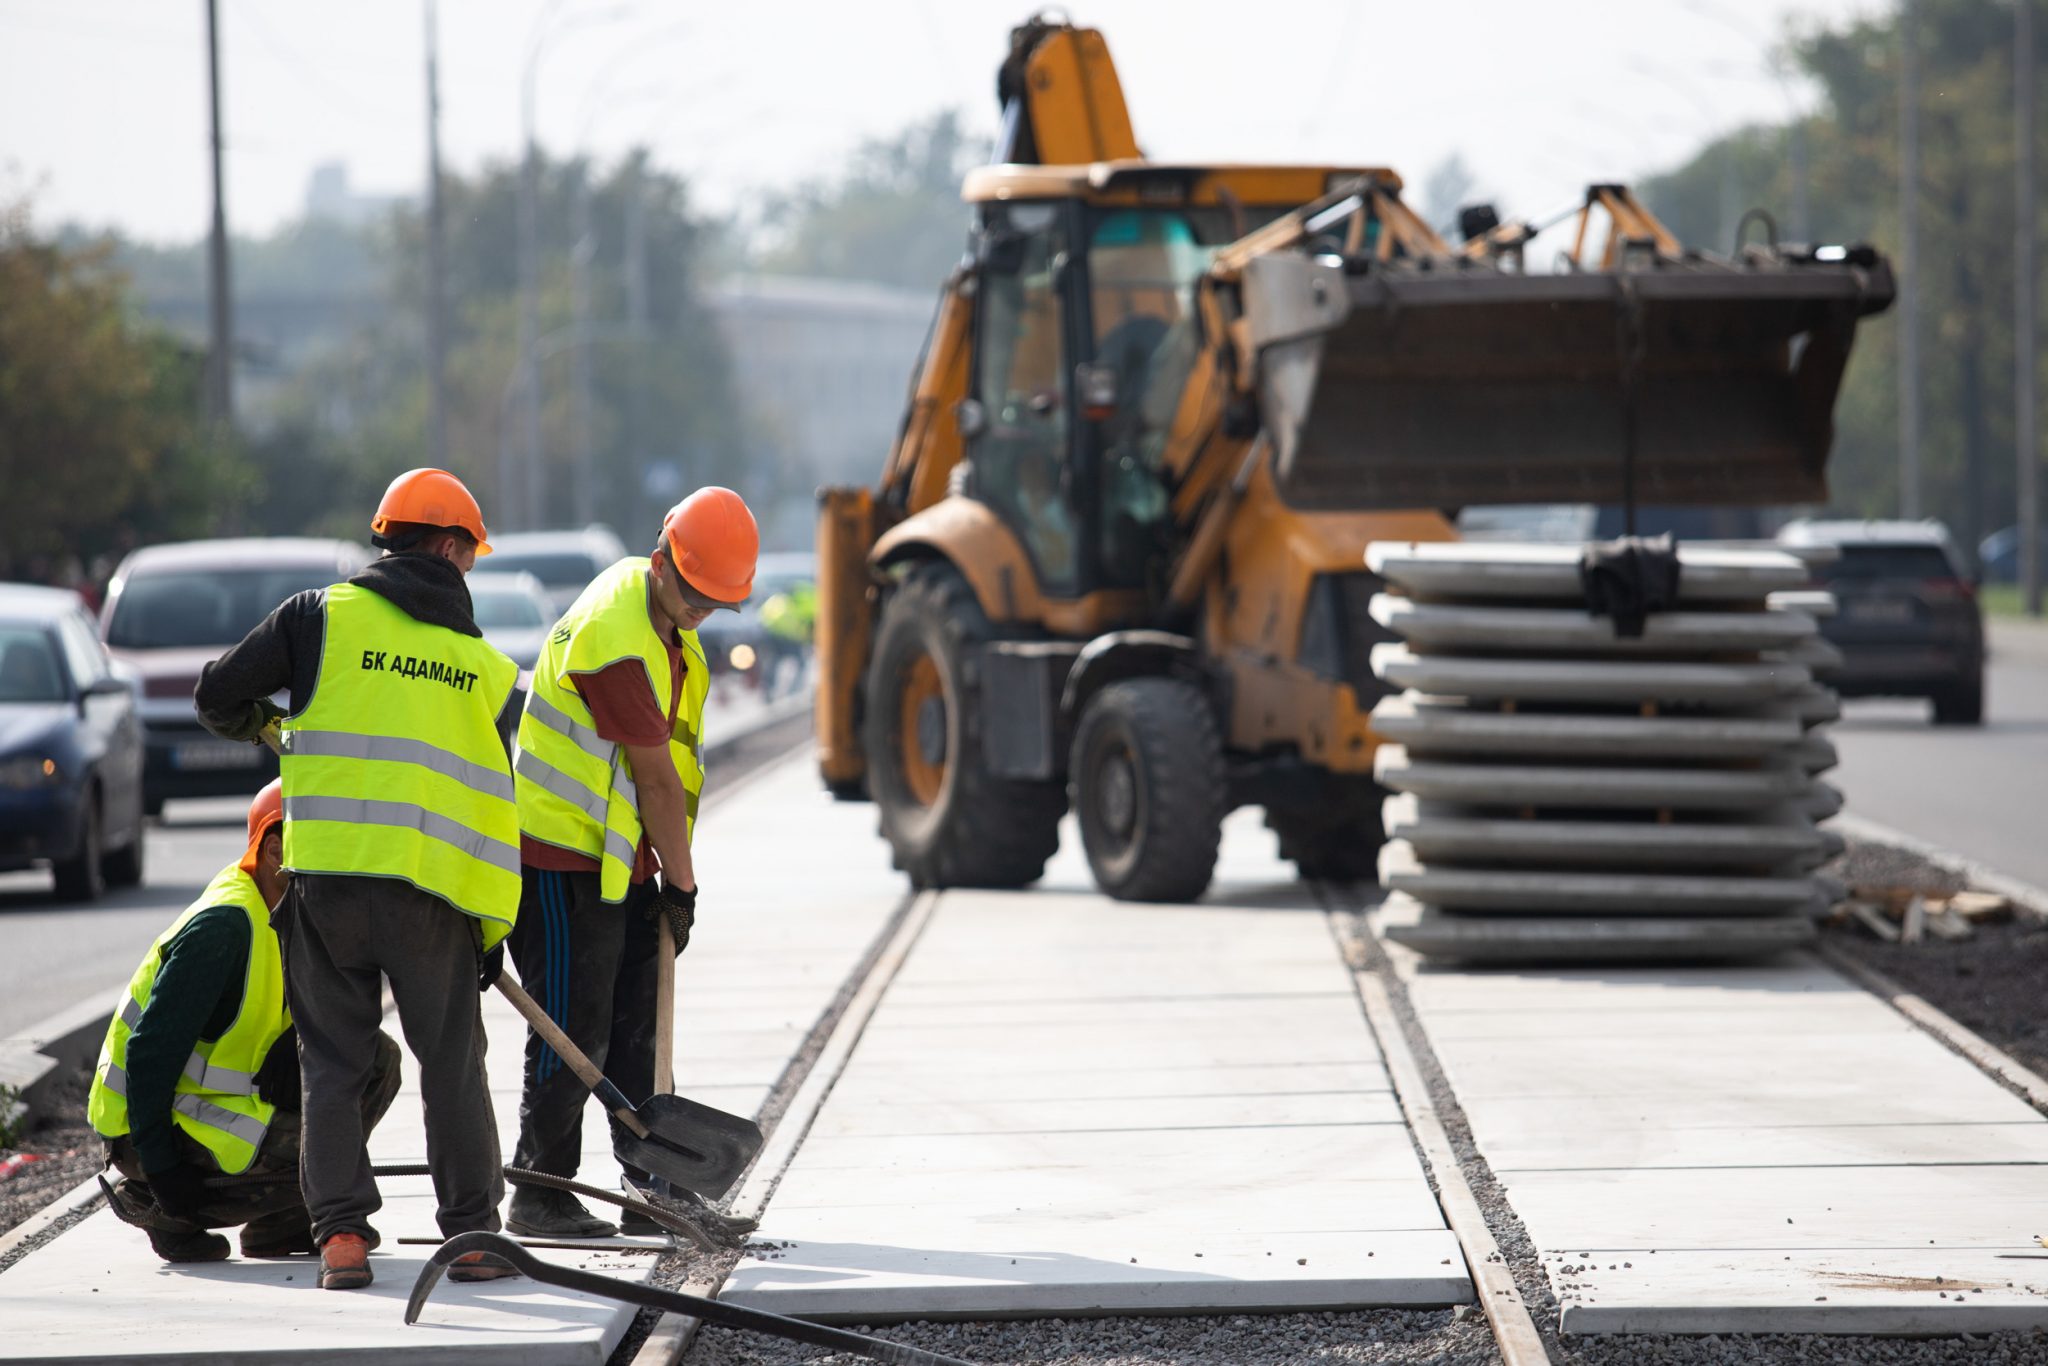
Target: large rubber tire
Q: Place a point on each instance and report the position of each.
(1147, 780)
(949, 822)
(83, 877)
(1336, 839)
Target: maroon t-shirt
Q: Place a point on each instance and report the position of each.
(621, 702)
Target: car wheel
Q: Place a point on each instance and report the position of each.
(83, 877)
(123, 867)
(1961, 704)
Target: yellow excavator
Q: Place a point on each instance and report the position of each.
(1115, 559)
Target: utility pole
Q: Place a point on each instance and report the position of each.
(2026, 283)
(527, 501)
(581, 250)
(220, 359)
(636, 305)
(1909, 259)
(437, 286)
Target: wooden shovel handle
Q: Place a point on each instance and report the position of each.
(585, 1070)
(665, 1011)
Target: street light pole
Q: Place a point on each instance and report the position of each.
(437, 288)
(220, 360)
(2026, 283)
(1909, 260)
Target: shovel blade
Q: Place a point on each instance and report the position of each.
(691, 1145)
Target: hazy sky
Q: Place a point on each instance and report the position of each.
(103, 102)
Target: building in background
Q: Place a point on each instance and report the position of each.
(823, 368)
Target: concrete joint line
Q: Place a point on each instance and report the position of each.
(673, 1333)
(2000, 1066)
(1514, 1331)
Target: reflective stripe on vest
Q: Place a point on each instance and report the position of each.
(395, 768)
(215, 1101)
(576, 789)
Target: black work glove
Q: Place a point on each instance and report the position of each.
(681, 909)
(277, 1080)
(490, 967)
(178, 1190)
(261, 713)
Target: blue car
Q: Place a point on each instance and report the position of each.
(70, 747)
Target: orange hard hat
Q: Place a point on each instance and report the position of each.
(712, 538)
(430, 497)
(265, 811)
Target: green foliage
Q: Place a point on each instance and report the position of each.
(100, 441)
(358, 413)
(1966, 216)
(894, 216)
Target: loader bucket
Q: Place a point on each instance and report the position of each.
(1690, 382)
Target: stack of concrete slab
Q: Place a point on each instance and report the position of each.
(1561, 790)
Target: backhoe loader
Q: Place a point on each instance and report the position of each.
(1115, 558)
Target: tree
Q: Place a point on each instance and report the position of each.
(894, 217)
(100, 441)
(1966, 217)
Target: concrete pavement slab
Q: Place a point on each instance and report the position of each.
(1063, 1099)
(1744, 1150)
(97, 1293)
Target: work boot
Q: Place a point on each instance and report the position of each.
(344, 1262)
(481, 1266)
(287, 1233)
(543, 1212)
(195, 1246)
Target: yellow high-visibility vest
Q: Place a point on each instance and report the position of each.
(215, 1100)
(395, 768)
(576, 787)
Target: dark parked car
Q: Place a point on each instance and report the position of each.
(1907, 619)
(70, 747)
(171, 609)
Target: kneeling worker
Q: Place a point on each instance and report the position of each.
(609, 769)
(199, 1075)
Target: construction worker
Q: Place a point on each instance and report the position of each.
(790, 618)
(199, 1074)
(609, 769)
(402, 840)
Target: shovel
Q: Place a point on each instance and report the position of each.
(690, 1146)
(686, 1144)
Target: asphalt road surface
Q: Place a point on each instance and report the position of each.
(1979, 791)
(54, 954)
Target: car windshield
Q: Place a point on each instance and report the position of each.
(203, 607)
(28, 666)
(505, 610)
(556, 569)
(1889, 562)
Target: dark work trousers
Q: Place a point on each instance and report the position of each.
(270, 1210)
(342, 937)
(591, 965)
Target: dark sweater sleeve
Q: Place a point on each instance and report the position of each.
(282, 652)
(198, 992)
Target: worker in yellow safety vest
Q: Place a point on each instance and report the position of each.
(403, 843)
(199, 1074)
(610, 766)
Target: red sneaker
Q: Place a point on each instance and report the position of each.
(481, 1266)
(344, 1262)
